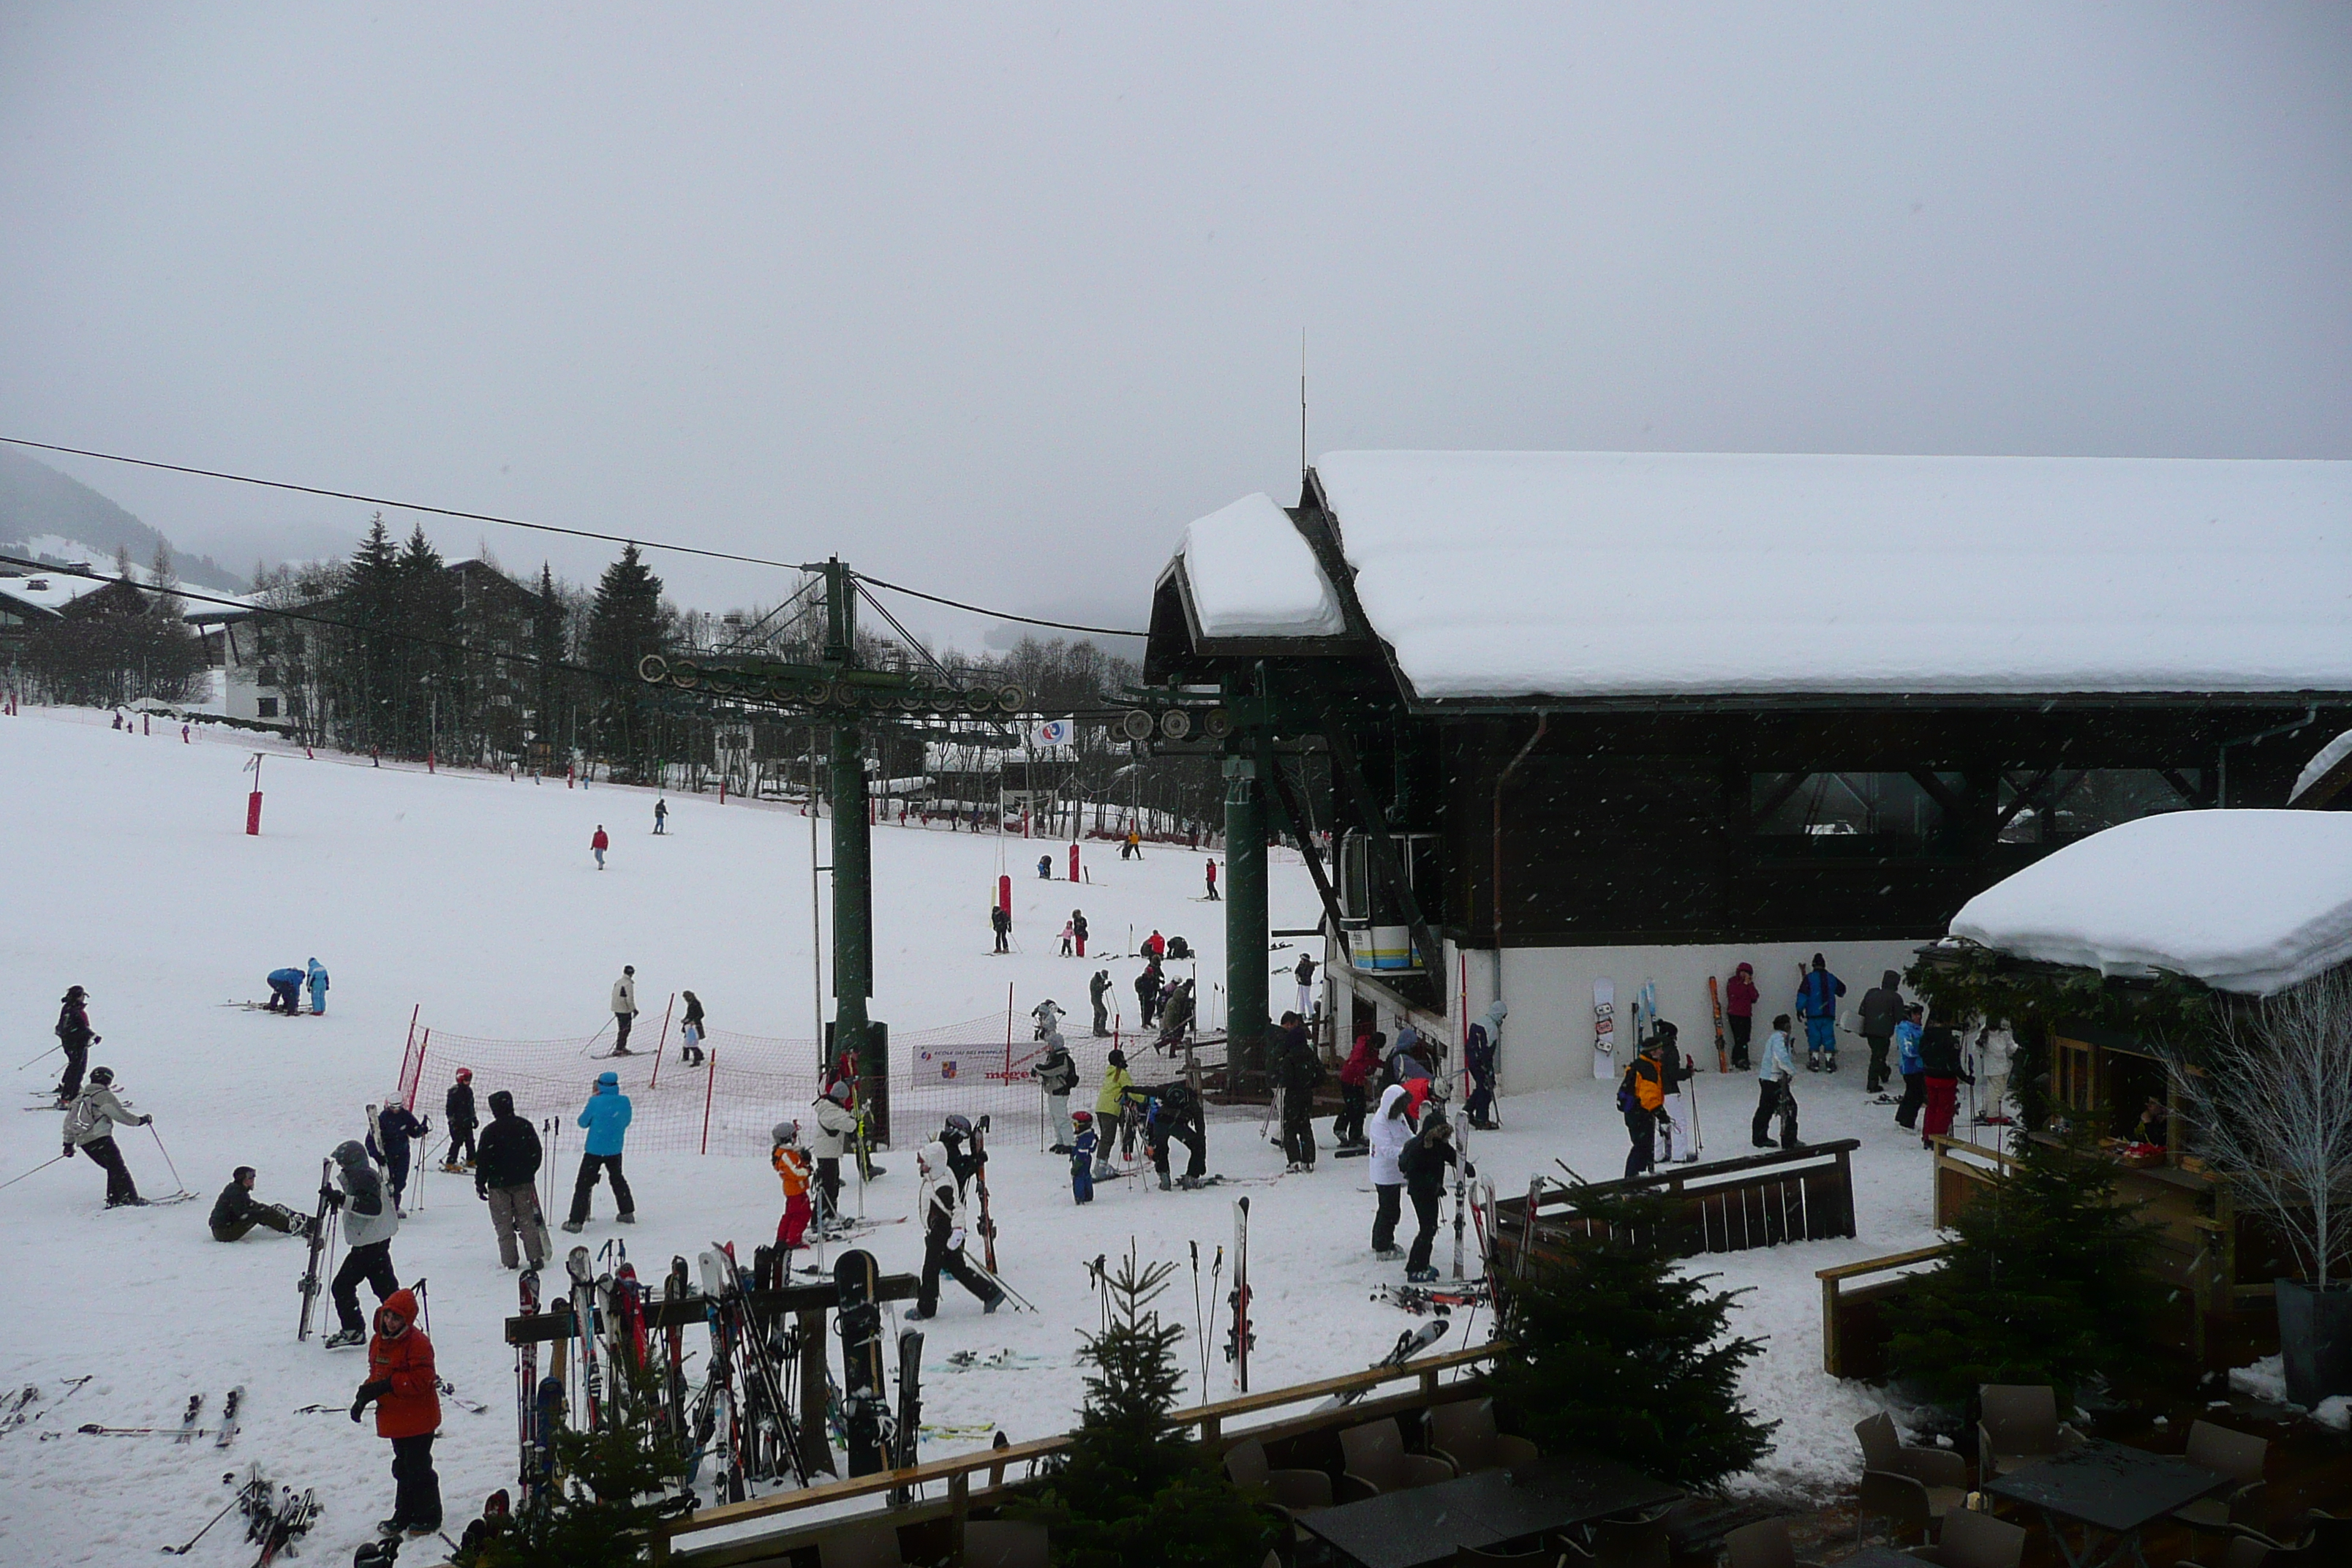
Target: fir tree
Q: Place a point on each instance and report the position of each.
(1132, 1490)
(371, 642)
(617, 1484)
(2043, 1284)
(626, 623)
(547, 647)
(1614, 1350)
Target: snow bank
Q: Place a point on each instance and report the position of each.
(2266, 1380)
(2252, 901)
(1605, 573)
(2334, 752)
(1252, 575)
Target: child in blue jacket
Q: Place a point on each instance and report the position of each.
(1082, 1155)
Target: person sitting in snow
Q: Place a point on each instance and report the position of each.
(236, 1212)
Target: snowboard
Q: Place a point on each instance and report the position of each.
(1605, 1030)
(903, 1456)
(862, 1393)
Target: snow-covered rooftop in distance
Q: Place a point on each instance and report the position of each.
(1518, 575)
(1251, 574)
(50, 589)
(2252, 902)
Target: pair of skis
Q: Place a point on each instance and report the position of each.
(877, 1440)
(188, 1431)
(322, 1221)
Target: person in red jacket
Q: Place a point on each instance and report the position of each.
(1740, 998)
(404, 1389)
(601, 843)
(1355, 1089)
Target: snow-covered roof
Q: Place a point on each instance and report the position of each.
(1251, 574)
(50, 589)
(1522, 574)
(2252, 902)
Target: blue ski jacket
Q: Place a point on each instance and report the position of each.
(606, 1115)
(317, 978)
(1817, 997)
(1906, 1047)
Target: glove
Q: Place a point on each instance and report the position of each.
(69, 1153)
(955, 1239)
(481, 1192)
(359, 1406)
(146, 1122)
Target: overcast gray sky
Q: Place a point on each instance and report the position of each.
(992, 300)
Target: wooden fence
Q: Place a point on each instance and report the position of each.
(1727, 1205)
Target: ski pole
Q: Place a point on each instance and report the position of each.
(42, 1166)
(1198, 1337)
(190, 1546)
(38, 1058)
(167, 1155)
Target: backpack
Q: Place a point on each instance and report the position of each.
(1627, 1100)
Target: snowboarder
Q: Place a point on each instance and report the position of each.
(1907, 1063)
(661, 815)
(942, 1213)
(506, 1176)
(1354, 1084)
(690, 1030)
(1078, 926)
(1172, 1113)
(1099, 992)
(1082, 1155)
(1111, 1104)
(236, 1212)
(457, 1110)
(1058, 1074)
(74, 1036)
(1881, 1009)
(1000, 920)
(389, 1142)
(836, 1124)
(89, 1126)
(791, 1166)
(1391, 1130)
(625, 1008)
(1995, 1046)
(1739, 999)
(1817, 997)
(1146, 990)
(1305, 974)
(1213, 881)
(1641, 1096)
(606, 1116)
(1299, 1069)
(404, 1387)
(370, 1222)
(599, 844)
(315, 977)
(1423, 1164)
(1775, 1090)
(1939, 1061)
(285, 992)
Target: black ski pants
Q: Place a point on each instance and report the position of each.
(1157, 1139)
(622, 1022)
(937, 1255)
(76, 1060)
(1424, 1209)
(416, 1490)
(1879, 1076)
(269, 1216)
(1641, 1129)
(107, 1157)
(1385, 1204)
(1298, 1126)
(461, 1143)
(1915, 1095)
(1480, 1106)
(1347, 1127)
(395, 1172)
(372, 1263)
(585, 1184)
(1742, 1025)
(828, 1180)
(1774, 1097)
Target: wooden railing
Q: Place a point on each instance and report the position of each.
(1726, 1205)
(1851, 1344)
(1208, 1422)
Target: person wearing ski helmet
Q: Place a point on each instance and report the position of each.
(89, 1126)
(1082, 1155)
(837, 1125)
(506, 1176)
(606, 1118)
(74, 1036)
(404, 1387)
(791, 1164)
(1111, 1111)
(370, 1222)
(942, 1213)
(457, 1110)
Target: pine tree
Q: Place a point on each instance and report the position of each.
(1615, 1350)
(2044, 1283)
(626, 623)
(547, 647)
(430, 698)
(1132, 1490)
(368, 654)
(618, 1483)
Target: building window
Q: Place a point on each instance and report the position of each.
(266, 707)
(1839, 813)
(2057, 804)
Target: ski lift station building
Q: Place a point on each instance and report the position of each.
(1641, 717)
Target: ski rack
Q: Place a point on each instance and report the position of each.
(556, 1322)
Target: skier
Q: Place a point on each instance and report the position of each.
(1817, 1005)
(1305, 974)
(1299, 1070)
(606, 1116)
(599, 844)
(1479, 1054)
(315, 976)
(1000, 920)
(1995, 1046)
(506, 1176)
(1641, 1096)
(1111, 1102)
(405, 1388)
(1099, 992)
(943, 1236)
(1146, 990)
(1078, 925)
(1175, 1014)
(389, 1142)
(1939, 1061)
(285, 992)
(836, 1124)
(690, 1031)
(792, 1165)
(661, 815)
(1423, 1164)
(1070, 935)
(1082, 1154)
(624, 1007)
(89, 1126)
(1355, 1083)
(1172, 1113)
(1213, 881)
(1775, 1090)
(1057, 1073)
(1045, 1019)
(236, 1212)
(1131, 847)
(1675, 1069)
(1044, 867)
(370, 1222)
(1392, 1129)
(74, 1036)
(1914, 1071)
(1739, 999)
(1881, 1009)
(457, 1110)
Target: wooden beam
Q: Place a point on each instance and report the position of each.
(1287, 802)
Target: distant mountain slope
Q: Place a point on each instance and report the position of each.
(43, 513)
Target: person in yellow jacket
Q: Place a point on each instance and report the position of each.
(793, 1168)
(1641, 1096)
(1111, 1111)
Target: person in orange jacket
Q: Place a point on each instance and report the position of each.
(405, 1391)
(1641, 1095)
(792, 1168)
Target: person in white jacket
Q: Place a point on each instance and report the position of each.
(90, 1130)
(942, 1213)
(624, 1007)
(836, 1124)
(1994, 1049)
(1390, 1129)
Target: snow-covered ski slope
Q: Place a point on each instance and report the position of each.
(128, 872)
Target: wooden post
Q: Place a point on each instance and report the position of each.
(959, 1512)
(816, 1443)
(1829, 1327)
(662, 1039)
